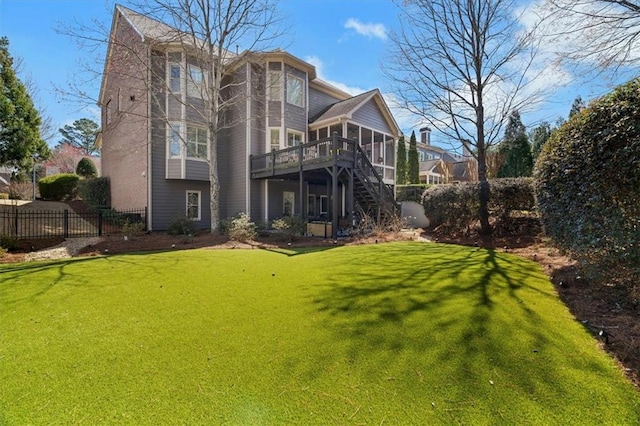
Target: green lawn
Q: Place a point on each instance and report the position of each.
(402, 333)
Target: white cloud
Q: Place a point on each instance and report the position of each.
(368, 29)
(317, 62)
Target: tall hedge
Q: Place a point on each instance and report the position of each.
(86, 168)
(455, 206)
(588, 181)
(95, 192)
(58, 187)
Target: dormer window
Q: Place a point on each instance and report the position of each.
(295, 90)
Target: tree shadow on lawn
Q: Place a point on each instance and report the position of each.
(471, 326)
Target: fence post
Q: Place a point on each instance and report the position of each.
(15, 222)
(99, 222)
(65, 224)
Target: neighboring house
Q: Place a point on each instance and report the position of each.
(438, 165)
(65, 158)
(276, 159)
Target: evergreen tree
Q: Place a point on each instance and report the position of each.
(539, 137)
(577, 106)
(515, 147)
(20, 121)
(81, 134)
(86, 168)
(413, 161)
(401, 165)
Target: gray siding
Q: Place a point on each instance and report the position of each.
(318, 101)
(197, 170)
(369, 115)
(295, 117)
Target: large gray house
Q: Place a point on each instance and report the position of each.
(296, 145)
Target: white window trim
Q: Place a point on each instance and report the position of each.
(327, 204)
(274, 91)
(196, 89)
(199, 193)
(279, 138)
(302, 90)
(186, 144)
(294, 132)
(170, 77)
(170, 128)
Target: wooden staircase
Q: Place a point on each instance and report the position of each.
(372, 196)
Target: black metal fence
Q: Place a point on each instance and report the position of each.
(38, 224)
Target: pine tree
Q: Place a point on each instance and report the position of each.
(539, 137)
(81, 134)
(577, 106)
(516, 149)
(401, 164)
(413, 161)
(20, 121)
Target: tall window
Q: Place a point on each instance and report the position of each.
(294, 138)
(288, 200)
(196, 81)
(197, 142)
(175, 80)
(175, 141)
(311, 205)
(274, 89)
(193, 205)
(295, 90)
(275, 139)
(324, 205)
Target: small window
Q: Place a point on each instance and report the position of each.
(311, 205)
(294, 138)
(174, 78)
(175, 141)
(275, 139)
(197, 142)
(274, 89)
(193, 205)
(324, 205)
(196, 82)
(288, 200)
(295, 90)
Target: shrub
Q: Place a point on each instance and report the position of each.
(411, 192)
(455, 206)
(58, 187)
(86, 168)
(20, 190)
(181, 225)
(8, 243)
(95, 192)
(133, 228)
(290, 226)
(4, 195)
(241, 228)
(587, 178)
(452, 206)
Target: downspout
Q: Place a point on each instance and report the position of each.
(149, 142)
(248, 152)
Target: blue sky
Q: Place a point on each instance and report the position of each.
(346, 40)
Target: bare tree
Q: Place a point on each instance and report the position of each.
(462, 65)
(210, 33)
(601, 32)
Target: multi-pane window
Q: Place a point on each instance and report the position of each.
(295, 90)
(274, 88)
(175, 78)
(275, 139)
(193, 205)
(175, 140)
(196, 81)
(197, 142)
(294, 138)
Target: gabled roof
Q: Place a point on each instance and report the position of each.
(346, 109)
(429, 165)
(148, 28)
